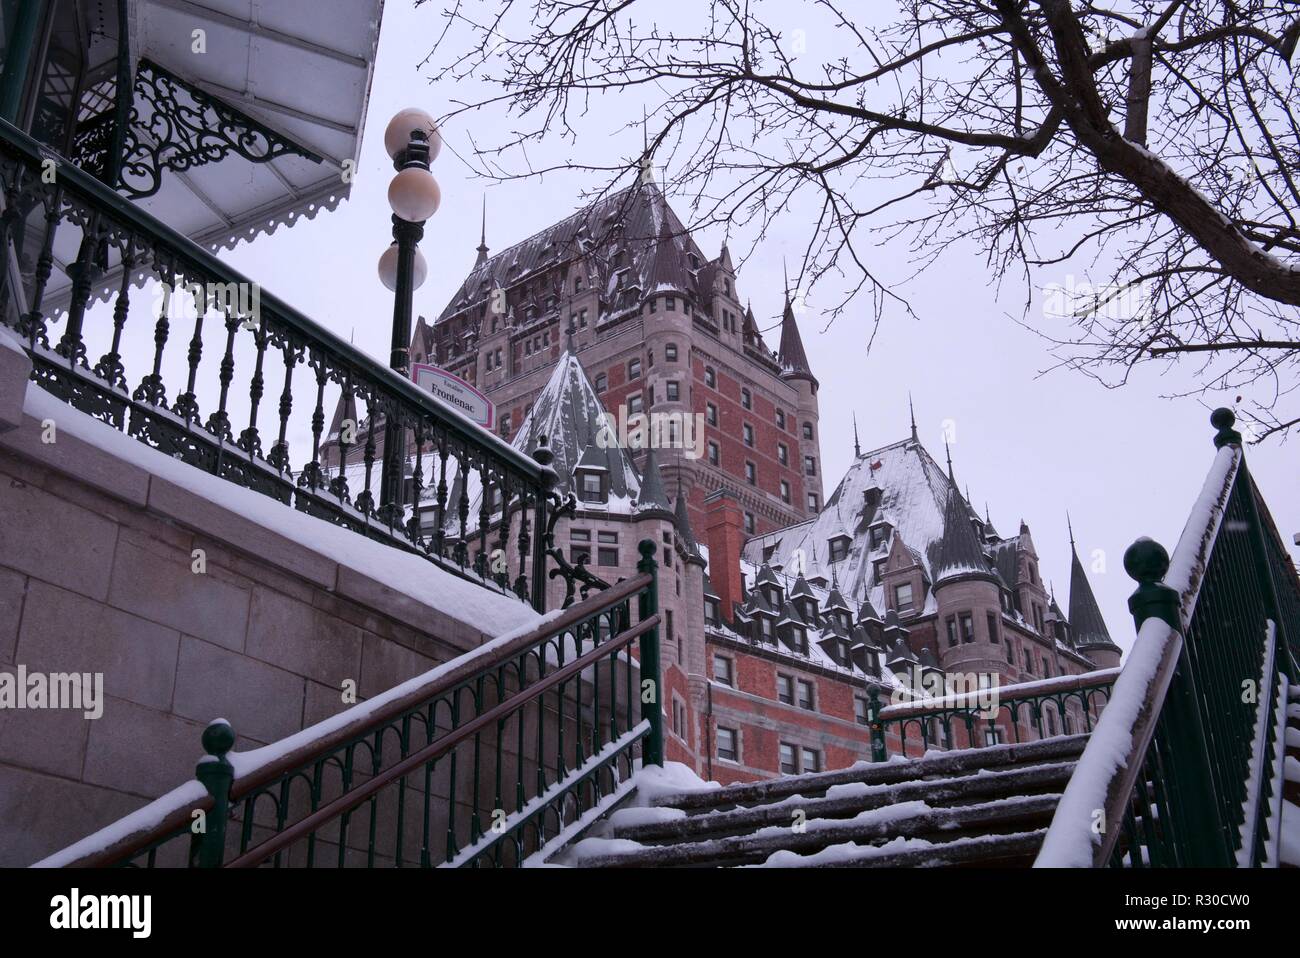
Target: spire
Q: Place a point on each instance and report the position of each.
(482, 240)
(791, 356)
(948, 454)
(912, 411)
(652, 498)
(682, 520)
(857, 446)
(960, 553)
(1070, 527)
(1087, 627)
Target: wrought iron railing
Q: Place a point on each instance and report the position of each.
(1183, 764)
(481, 763)
(1064, 705)
(228, 395)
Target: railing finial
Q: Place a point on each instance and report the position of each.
(1146, 562)
(1223, 420)
(216, 773)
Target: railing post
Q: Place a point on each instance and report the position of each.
(651, 693)
(1181, 721)
(878, 751)
(546, 482)
(216, 773)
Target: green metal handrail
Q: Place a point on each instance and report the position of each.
(493, 758)
(1022, 706)
(1196, 708)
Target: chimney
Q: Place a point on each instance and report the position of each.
(723, 522)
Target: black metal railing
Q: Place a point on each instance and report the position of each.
(1197, 709)
(244, 389)
(494, 756)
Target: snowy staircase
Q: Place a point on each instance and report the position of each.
(1290, 813)
(986, 806)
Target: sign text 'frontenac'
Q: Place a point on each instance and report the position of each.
(456, 393)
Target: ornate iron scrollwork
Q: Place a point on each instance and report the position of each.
(187, 128)
(572, 574)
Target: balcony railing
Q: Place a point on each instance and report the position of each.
(246, 390)
(1183, 768)
(481, 763)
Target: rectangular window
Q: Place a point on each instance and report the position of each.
(723, 673)
(807, 430)
(784, 689)
(654, 305)
(785, 491)
(812, 502)
(579, 545)
(582, 319)
(746, 400)
(728, 745)
(591, 487)
(710, 377)
(1029, 662)
(809, 466)
(634, 404)
(860, 713)
(1011, 654)
(607, 556)
(633, 368)
(710, 414)
(993, 627)
(765, 630)
(839, 549)
(806, 700)
(715, 455)
(783, 454)
(780, 419)
(812, 761)
(602, 382)
(607, 538)
(747, 431)
(789, 761)
(952, 631)
(672, 391)
(670, 352)
(751, 474)
(710, 612)
(903, 598)
(670, 303)
(967, 627)
(679, 719)
(749, 524)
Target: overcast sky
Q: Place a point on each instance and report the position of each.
(1124, 463)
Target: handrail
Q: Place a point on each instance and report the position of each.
(336, 732)
(1018, 692)
(69, 174)
(1180, 760)
(436, 750)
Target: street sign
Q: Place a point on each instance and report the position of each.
(455, 392)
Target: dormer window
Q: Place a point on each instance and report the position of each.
(764, 629)
(839, 548)
(711, 612)
(591, 485)
(879, 533)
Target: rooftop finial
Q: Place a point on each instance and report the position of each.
(1070, 526)
(857, 448)
(785, 277)
(948, 454)
(482, 240)
(912, 411)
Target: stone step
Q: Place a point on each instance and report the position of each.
(932, 765)
(846, 801)
(1016, 850)
(871, 827)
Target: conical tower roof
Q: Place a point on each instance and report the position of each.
(1086, 624)
(682, 520)
(791, 356)
(652, 498)
(960, 553)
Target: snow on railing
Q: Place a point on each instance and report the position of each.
(1087, 820)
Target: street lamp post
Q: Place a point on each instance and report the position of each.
(412, 141)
